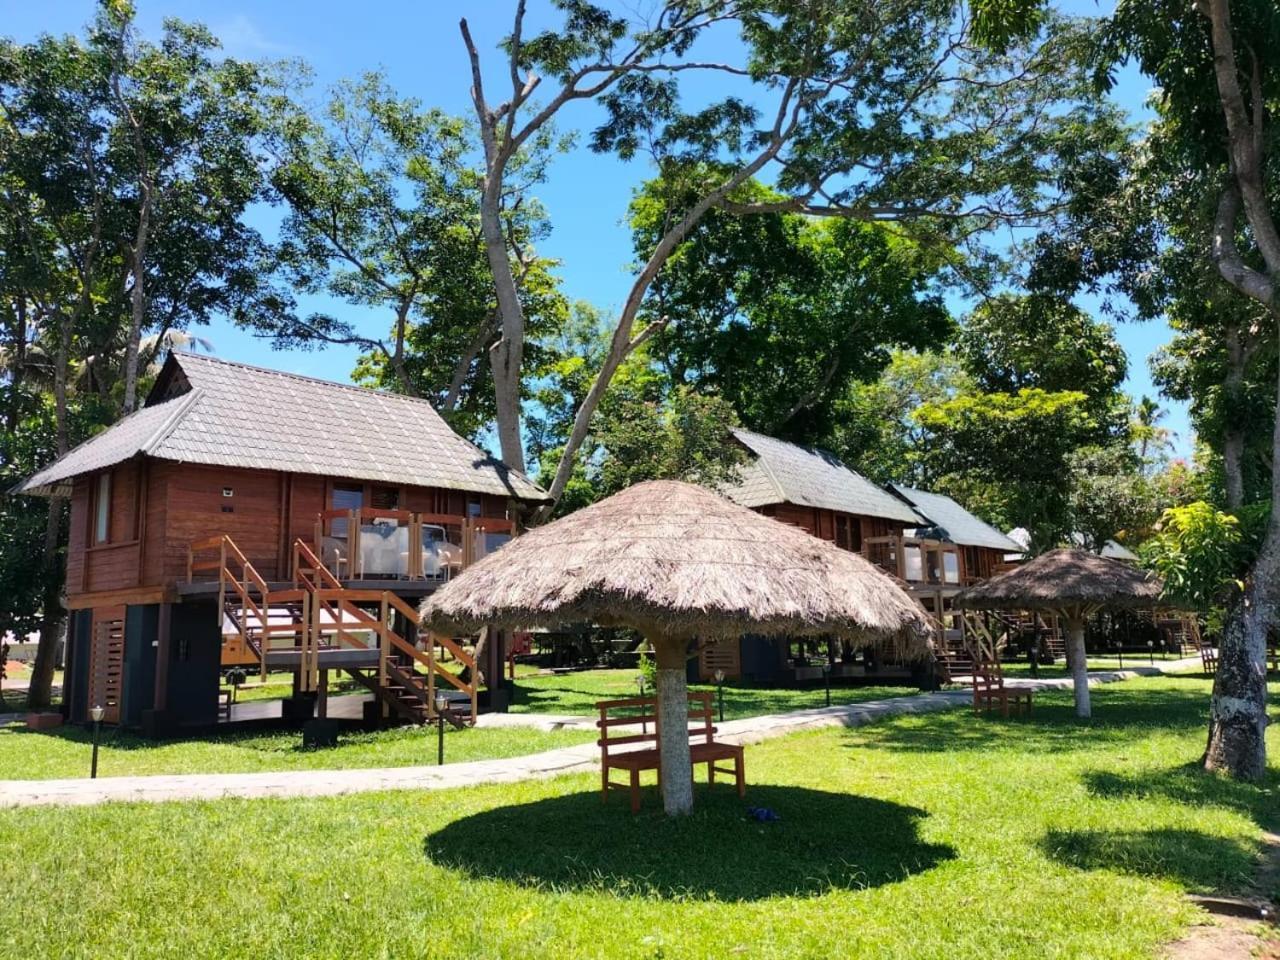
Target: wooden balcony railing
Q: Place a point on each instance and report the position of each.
(372, 544)
(915, 560)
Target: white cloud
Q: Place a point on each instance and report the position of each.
(241, 37)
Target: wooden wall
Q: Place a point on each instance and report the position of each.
(823, 523)
(159, 507)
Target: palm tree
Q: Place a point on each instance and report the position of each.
(1146, 431)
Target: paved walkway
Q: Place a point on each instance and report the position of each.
(579, 759)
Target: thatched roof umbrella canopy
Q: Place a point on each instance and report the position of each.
(678, 562)
(1073, 584)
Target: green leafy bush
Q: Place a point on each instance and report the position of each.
(1200, 552)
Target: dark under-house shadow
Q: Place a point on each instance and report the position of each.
(820, 841)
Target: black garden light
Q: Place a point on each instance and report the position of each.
(719, 675)
(442, 703)
(96, 713)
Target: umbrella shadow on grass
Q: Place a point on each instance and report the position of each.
(820, 841)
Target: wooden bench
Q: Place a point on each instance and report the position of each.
(990, 693)
(624, 715)
(226, 697)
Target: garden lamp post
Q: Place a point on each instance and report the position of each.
(1151, 652)
(442, 704)
(719, 675)
(640, 685)
(826, 678)
(1120, 653)
(95, 713)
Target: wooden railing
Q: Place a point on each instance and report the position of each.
(324, 614)
(250, 611)
(891, 555)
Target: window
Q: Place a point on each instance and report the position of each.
(102, 509)
(473, 507)
(346, 496)
(951, 566)
(384, 498)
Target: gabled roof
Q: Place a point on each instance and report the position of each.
(1111, 549)
(953, 522)
(781, 472)
(215, 412)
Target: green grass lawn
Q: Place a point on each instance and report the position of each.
(1020, 668)
(935, 836)
(64, 752)
(576, 694)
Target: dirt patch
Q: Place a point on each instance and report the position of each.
(1233, 929)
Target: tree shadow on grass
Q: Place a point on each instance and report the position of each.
(822, 840)
(1191, 785)
(1199, 861)
(1053, 726)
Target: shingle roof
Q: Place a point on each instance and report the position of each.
(236, 415)
(1111, 549)
(954, 522)
(782, 472)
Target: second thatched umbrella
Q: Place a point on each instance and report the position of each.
(680, 564)
(1073, 584)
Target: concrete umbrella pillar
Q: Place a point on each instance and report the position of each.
(673, 724)
(1077, 661)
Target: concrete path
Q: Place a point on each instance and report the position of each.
(579, 759)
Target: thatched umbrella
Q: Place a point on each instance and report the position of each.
(1074, 584)
(680, 563)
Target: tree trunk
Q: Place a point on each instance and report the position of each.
(1233, 432)
(506, 357)
(1077, 660)
(673, 720)
(1232, 466)
(137, 304)
(1238, 709)
(53, 616)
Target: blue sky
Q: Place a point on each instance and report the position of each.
(418, 46)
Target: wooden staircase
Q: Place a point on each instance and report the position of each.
(318, 623)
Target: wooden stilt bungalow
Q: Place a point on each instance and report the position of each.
(251, 517)
(811, 489)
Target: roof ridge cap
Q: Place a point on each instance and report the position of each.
(170, 423)
(764, 463)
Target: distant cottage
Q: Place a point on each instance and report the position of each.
(926, 540)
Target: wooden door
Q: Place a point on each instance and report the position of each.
(106, 662)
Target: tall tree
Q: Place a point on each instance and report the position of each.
(1217, 88)
(1011, 342)
(72, 114)
(58, 189)
(780, 314)
(875, 423)
(649, 427)
(381, 206)
(186, 121)
(869, 111)
(1008, 456)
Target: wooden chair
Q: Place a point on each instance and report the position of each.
(643, 711)
(990, 692)
(1209, 660)
(226, 697)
